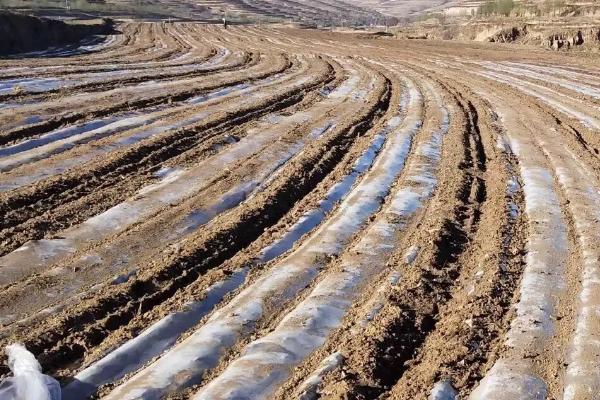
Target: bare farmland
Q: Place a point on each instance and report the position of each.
(192, 212)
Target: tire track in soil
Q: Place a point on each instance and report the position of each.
(460, 364)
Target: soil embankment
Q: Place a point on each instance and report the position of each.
(22, 33)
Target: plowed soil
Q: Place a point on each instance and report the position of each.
(191, 212)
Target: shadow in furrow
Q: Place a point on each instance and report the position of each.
(419, 305)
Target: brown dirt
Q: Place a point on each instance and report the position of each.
(444, 316)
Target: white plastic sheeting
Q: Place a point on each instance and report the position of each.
(513, 377)
(27, 382)
(442, 390)
(186, 362)
(266, 362)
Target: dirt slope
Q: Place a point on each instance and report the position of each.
(23, 33)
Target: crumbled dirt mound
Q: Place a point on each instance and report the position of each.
(566, 39)
(508, 35)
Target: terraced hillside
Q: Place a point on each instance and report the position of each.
(307, 12)
(197, 213)
(317, 12)
(408, 8)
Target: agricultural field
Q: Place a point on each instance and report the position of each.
(193, 212)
